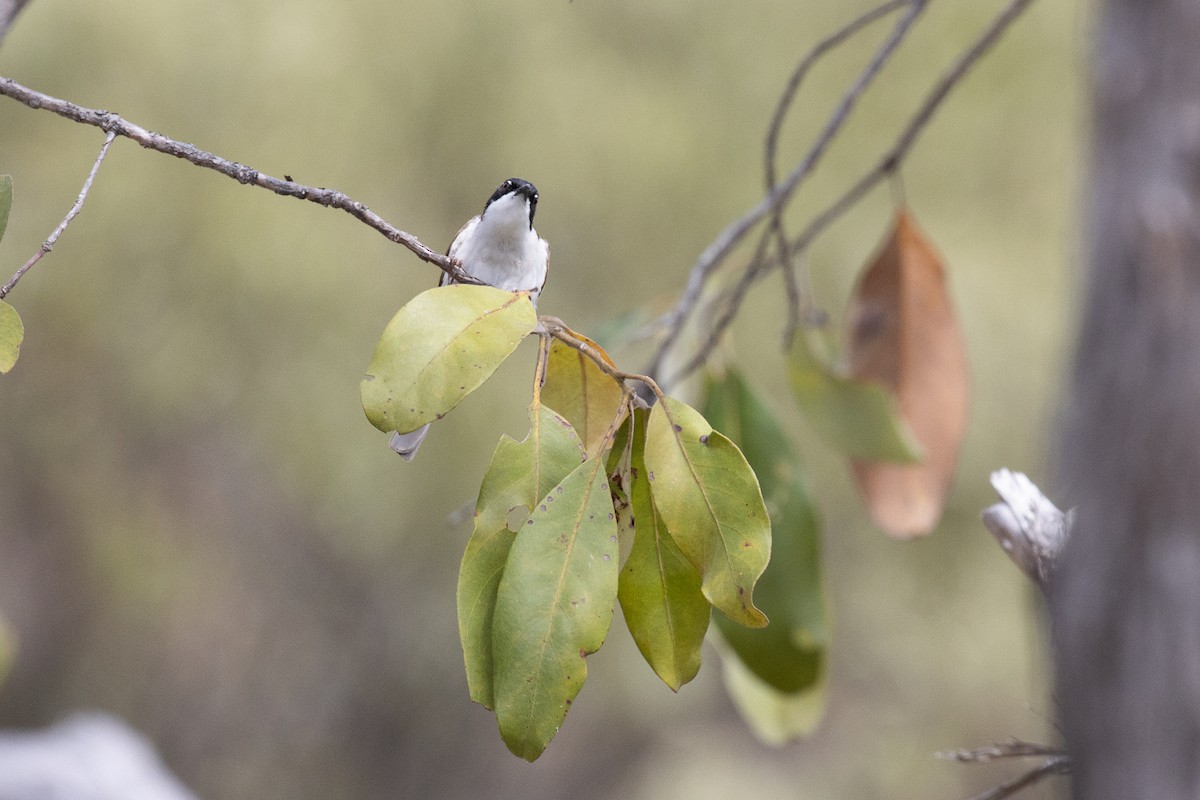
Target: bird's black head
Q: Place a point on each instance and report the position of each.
(516, 186)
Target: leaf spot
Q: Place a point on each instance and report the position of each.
(651, 476)
(612, 538)
(704, 439)
(582, 653)
(678, 428)
(607, 557)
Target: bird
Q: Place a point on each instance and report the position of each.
(501, 248)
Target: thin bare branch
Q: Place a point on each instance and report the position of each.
(801, 72)
(714, 255)
(771, 148)
(112, 123)
(1013, 748)
(555, 327)
(1059, 765)
(52, 239)
(885, 167)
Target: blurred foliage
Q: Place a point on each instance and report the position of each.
(786, 659)
(201, 533)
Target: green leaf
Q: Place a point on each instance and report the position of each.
(858, 418)
(775, 717)
(554, 607)
(517, 477)
(438, 349)
(659, 588)
(710, 501)
(6, 198)
(581, 392)
(789, 654)
(12, 332)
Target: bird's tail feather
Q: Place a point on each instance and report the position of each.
(407, 444)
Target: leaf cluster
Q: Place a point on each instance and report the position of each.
(597, 478)
(608, 502)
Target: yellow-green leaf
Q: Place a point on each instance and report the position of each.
(6, 198)
(554, 607)
(710, 501)
(581, 392)
(518, 476)
(439, 348)
(789, 654)
(12, 332)
(659, 590)
(858, 418)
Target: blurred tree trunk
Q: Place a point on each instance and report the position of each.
(1126, 602)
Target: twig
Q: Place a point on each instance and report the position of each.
(553, 326)
(715, 254)
(886, 165)
(112, 123)
(1013, 748)
(771, 148)
(48, 245)
(1058, 765)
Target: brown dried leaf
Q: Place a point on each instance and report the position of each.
(904, 334)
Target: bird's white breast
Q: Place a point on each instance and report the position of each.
(501, 249)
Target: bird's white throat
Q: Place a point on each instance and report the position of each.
(502, 249)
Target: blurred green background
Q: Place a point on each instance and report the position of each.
(200, 531)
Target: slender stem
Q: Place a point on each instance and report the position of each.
(553, 326)
(885, 167)
(539, 373)
(1059, 765)
(801, 72)
(723, 245)
(51, 240)
(111, 123)
(771, 148)
(1013, 748)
